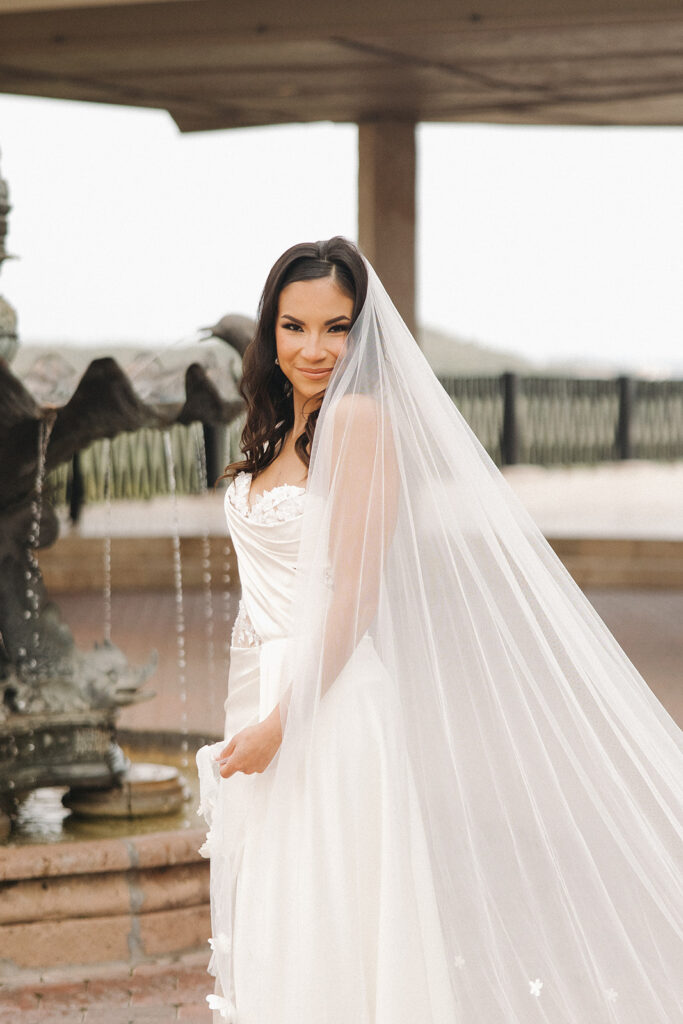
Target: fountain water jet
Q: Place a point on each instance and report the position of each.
(106, 553)
(206, 578)
(180, 611)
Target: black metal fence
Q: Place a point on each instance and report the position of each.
(566, 420)
(542, 420)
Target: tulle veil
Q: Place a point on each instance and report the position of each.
(548, 775)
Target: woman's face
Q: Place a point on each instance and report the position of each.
(313, 320)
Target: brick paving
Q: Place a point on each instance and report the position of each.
(162, 992)
(647, 623)
(143, 621)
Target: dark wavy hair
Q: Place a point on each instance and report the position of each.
(264, 387)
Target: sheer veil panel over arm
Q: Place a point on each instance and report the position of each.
(546, 774)
(349, 543)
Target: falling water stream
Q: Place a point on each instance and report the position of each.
(206, 574)
(29, 652)
(106, 553)
(28, 655)
(180, 611)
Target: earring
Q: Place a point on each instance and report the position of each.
(277, 361)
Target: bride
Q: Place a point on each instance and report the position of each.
(445, 796)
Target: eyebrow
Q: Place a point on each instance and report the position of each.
(334, 320)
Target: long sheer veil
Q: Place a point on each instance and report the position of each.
(548, 776)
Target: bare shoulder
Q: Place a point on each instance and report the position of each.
(361, 429)
(356, 412)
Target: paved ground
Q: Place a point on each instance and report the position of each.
(647, 624)
(617, 499)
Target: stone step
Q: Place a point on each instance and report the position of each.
(622, 562)
(102, 901)
(75, 564)
(169, 989)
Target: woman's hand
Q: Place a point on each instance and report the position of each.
(252, 749)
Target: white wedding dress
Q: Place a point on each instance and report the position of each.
(357, 889)
(475, 814)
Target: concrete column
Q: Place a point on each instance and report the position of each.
(386, 208)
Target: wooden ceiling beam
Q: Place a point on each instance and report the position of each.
(218, 64)
(73, 22)
(298, 57)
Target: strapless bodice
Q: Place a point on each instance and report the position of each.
(266, 539)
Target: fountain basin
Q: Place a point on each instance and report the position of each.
(145, 790)
(107, 892)
(103, 900)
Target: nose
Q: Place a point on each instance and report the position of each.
(312, 348)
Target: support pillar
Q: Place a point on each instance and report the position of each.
(386, 208)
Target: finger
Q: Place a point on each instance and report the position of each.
(226, 756)
(226, 751)
(227, 768)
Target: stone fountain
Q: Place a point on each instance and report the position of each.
(58, 704)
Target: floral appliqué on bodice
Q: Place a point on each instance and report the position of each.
(276, 505)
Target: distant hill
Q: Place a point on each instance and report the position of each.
(452, 356)
(449, 356)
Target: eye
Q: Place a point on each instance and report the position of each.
(289, 326)
(339, 328)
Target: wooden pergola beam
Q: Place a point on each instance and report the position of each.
(384, 65)
(215, 64)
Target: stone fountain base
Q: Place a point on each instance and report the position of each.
(75, 748)
(145, 790)
(102, 901)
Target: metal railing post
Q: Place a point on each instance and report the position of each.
(213, 453)
(510, 440)
(76, 493)
(624, 438)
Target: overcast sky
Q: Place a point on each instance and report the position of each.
(551, 242)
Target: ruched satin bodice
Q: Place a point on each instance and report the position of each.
(267, 547)
(266, 541)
